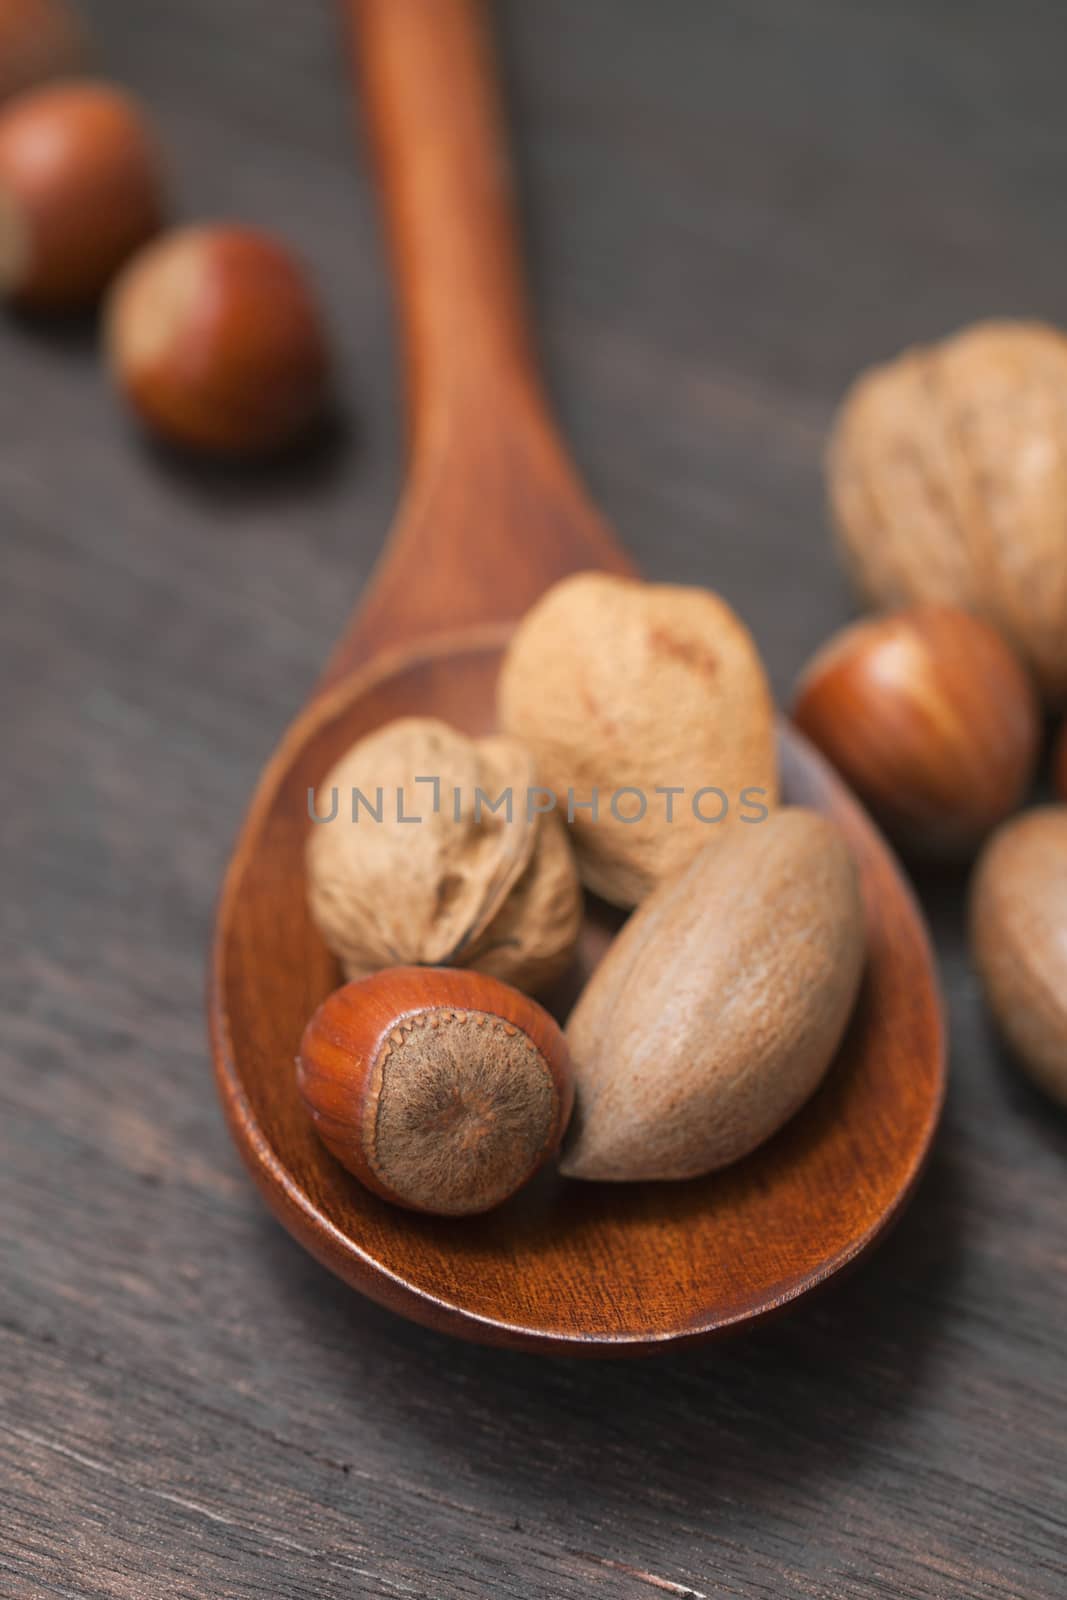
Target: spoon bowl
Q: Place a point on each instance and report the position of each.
(493, 514)
(567, 1266)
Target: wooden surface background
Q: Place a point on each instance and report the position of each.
(730, 208)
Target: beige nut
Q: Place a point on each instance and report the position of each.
(1019, 939)
(718, 1008)
(947, 472)
(619, 685)
(478, 890)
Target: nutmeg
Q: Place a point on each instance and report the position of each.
(215, 339)
(39, 39)
(442, 1091)
(649, 715)
(718, 1008)
(931, 719)
(948, 480)
(433, 853)
(1018, 919)
(81, 187)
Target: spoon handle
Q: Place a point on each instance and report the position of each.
(436, 125)
(493, 511)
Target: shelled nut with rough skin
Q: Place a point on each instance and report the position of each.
(442, 1091)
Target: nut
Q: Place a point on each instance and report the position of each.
(81, 188)
(441, 1091)
(718, 1008)
(1019, 939)
(948, 483)
(214, 337)
(614, 685)
(478, 890)
(930, 718)
(39, 39)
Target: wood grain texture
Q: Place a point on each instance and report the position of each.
(731, 208)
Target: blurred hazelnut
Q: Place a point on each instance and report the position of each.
(39, 39)
(930, 718)
(215, 339)
(81, 188)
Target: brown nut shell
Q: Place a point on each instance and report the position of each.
(215, 339)
(81, 188)
(719, 1007)
(931, 719)
(442, 1091)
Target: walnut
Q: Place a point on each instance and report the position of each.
(464, 885)
(948, 482)
(651, 703)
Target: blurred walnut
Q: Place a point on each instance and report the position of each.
(464, 885)
(948, 482)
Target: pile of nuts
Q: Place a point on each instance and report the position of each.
(636, 753)
(213, 335)
(947, 474)
(447, 875)
(720, 1004)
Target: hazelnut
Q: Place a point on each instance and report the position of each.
(1019, 938)
(214, 337)
(442, 1091)
(624, 691)
(81, 188)
(39, 39)
(948, 478)
(930, 718)
(718, 1008)
(463, 885)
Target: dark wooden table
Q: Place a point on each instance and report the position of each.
(730, 208)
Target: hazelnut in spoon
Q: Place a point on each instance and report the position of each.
(441, 1090)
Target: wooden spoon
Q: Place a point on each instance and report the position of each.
(493, 514)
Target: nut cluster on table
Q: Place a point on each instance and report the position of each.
(636, 740)
(212, 333)
(643, 710)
